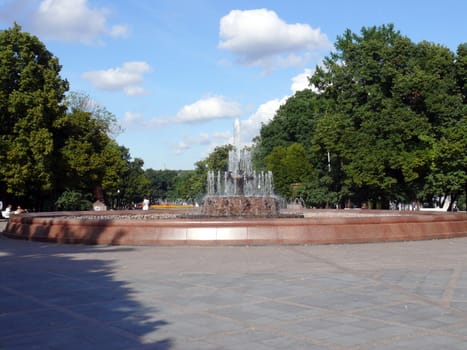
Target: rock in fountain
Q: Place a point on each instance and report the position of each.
(240, 191)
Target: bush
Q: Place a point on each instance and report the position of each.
(72, 200)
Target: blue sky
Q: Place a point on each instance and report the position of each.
(176, 74)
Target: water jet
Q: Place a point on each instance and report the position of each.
(240, 191)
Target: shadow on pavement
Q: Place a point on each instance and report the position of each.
(52, 297)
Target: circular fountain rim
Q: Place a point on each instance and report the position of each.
(316, 227)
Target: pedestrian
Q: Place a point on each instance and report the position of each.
(145, 204)
(6, 213)
(19, 210)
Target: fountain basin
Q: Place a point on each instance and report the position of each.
(177, 228)
(240, 206)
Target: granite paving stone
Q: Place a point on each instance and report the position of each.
(399, 295)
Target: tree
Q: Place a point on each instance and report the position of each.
(72, 200)
(218, 160)
(114, 169)
(88, 159)
(135, 184)
(191, 185)
(461, 70)
(289, 166)
(31, 100)
(294, 122)
(386, 121)
(54, 145)
(392, 100)
(162, 183)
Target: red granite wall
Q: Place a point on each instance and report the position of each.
(238, 231)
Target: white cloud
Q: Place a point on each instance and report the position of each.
(119, 31)
(213, 107)
(266, 111)
(223, 136)
(134, 90)
(203, 110)
(300, 81)
(190, 141)
(131, 118)
(73, 21)
(250, 128)
(125, 78)
(218, 107)
(260, 37)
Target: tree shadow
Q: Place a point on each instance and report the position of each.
(55, 296)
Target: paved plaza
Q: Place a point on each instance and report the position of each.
(404, 295)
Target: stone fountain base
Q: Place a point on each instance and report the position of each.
(241, 206)
(167, 228)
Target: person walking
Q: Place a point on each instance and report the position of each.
(6, 213)
(145, 204)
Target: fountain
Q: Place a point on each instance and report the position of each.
(240, 191)
(240, 208)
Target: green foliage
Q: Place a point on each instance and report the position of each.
(461, 69)
(163, 183)
(289, 166)
(294, 122)
(73, 200)
(392, 100)
(386, 120)
(88, 159)
(448, 171)
(189, 185)
(192, 184)
(134, 184)
(315, 193)
(114, 166)
(389, 113)
(31, 96)
(218, 160)
(50, 142)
